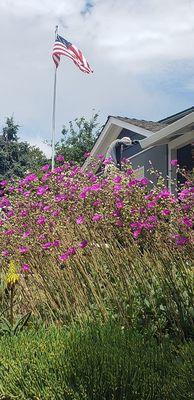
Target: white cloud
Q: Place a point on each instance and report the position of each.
(127, 42)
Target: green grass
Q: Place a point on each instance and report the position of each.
(94, 362)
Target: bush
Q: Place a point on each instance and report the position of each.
(94, 362)
(112, 245)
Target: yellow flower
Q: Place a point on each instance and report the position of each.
(12, 276)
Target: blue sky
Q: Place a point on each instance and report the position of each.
(141, 52)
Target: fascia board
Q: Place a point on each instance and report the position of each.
(162, 136)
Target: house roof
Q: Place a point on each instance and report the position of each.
(149, 125)
(175, 117)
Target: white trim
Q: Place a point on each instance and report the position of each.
(164, 135)
(110, 132)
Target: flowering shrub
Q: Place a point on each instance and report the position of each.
(55, 221)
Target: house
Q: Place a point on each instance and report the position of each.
(159, 143)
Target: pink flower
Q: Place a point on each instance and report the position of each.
(41, 220)
(97, 217)
(71, 251)
(47, 245)
(117, 179)
(80, 220)
(136, 233)
(119, 204)
(151, 204)
(23, 249)
(100, 156)
(25, 267)
(23, 213)
(9, 232)
(144, 181)
(83, 244)
(56, 243)
(129, 172)
(64, 256)
(96, 203)
(46, 176)
(5, 253)
(107, 161)
(60, 158)
(166, 211)
(181, 240)
(3, 183)
(42, 190)
(188, 222)
(26, 234)
(10, 213)
(56, 213)
(45, 167)
(87, 154)
(174, 163)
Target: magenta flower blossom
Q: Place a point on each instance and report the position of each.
(144, 181)
(83, 244)
(60, 158)
(25, 267)
(42, 190)
(23, 249)
(45, 167)
(117, 179)
(71, 251)
(3, 183)
(181, 240)
(188, 222)
(9, 232)
(11, 189)
(47, 245)
(136, 233)
(166, 211)
(41, 220)
(100, 156)
(5, 253)
(87, 154)
(119, 204)
(56, 243)
(56, 213)
(26, 234)
(5, 202)
(80, 220)
(107, 161)
(96, 203)
(10, 213)
(64, 256)
(23, 213)
(151, 204)
(46, 208)
(174, 163)
(97, 217)
(95, 187)
(46, 176)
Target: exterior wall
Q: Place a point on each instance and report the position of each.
(159, 158)
(133, 136)
(157, 155)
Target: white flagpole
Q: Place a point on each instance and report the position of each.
(54, 107)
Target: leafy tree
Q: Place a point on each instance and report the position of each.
(78, 138)
(16, 158)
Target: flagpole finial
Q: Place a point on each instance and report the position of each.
(56, 29)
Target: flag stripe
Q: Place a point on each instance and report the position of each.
(65, 48)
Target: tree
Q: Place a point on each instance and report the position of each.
(78, 138)
(16, 157)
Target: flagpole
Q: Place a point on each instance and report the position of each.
(54, 108)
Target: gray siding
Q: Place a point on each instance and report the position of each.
(157, 155)
(159, 158)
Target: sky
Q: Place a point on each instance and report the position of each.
(141, 51)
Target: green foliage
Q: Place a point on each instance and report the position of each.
(94, 362)
(7, 328)
(78, 138)
(17, 157)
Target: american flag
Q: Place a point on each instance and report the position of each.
(64, 48)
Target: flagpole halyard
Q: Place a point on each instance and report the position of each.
(54, 108)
